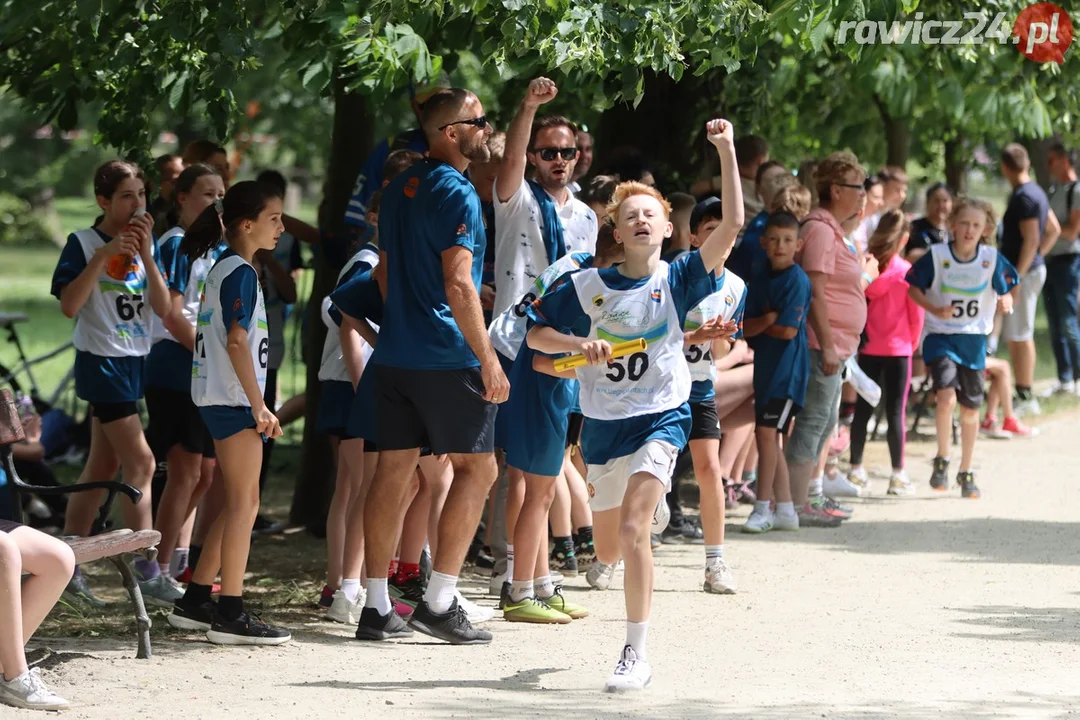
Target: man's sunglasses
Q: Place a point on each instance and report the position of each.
(548, 154)
(480, 122)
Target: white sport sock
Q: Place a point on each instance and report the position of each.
(351, 588)
(510, 560)
(520, 589)
(544, 587)
(378, 597)
(787, 509)
(762, 505)
(439, 595)
(817, 486)
(636, 633)
(179, 562)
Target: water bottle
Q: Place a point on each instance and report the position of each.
(26, 407)
(119, 265)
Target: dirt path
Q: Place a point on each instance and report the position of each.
(925, 607)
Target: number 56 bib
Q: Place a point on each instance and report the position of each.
(967, 288)
(651, 381)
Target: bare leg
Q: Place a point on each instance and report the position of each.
(335, 519)
(414, 529)
(385, 508)
(606, 536)
(102, 464)
(210, 522)
(706, 457)
(185, 470)
(560, 509)
(50, 563)
(643, 492)
(440, 475)
(580, 513)
(515, 498)
(12, 657)
(969, 429)
(530, 531)
(137, 462)
(768, 444)
(1023, 361)
(474, 474)
(747, 460)
(946, 403)
(353, 551)
(238, 459)
(738, 428)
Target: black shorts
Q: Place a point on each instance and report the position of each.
(969, 384)
(9, 525)
(175, 420)
(776, 413)
(704, 422)
(443, 410)
(110, 412)
(369, 446)
(573, 429)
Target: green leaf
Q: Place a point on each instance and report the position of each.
(176, 92)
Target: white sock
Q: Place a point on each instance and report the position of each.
(713, 554)
(762, 506)
(816, 486)
(636, 633)
(351, 588)
(544, 587)
(510, 560)
(786, 509)
(439, 595)
(378, 597)
(179, 562)
(520, 589)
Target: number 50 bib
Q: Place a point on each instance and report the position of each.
(651, 381)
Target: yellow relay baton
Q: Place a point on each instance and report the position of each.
(618, 350)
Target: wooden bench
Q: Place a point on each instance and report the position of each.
(114, 546)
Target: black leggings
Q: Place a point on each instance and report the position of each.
(894, 376)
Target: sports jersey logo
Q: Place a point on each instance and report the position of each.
(655, 296)
(598, 300)
(986, 264)
(411, 187)
(592, 490)
(946, 264)
(728, 300)
(462, 229)
(237, 305)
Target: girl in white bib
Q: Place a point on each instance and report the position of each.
(107, 279)
(228, 375)
(635, 407)
(177, 432)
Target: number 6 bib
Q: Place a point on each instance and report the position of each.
(646, 382)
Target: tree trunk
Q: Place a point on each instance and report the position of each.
(353, 132)
(897, 135)
(956, 164)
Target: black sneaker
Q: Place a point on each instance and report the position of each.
(504, 595)
(453, 626)
(248, 629)
(484, 559)
(567, 564)
(265, 526)
(412, 590)
(373, 626)
(968, 488)
(585, 553)
(685, 533)
(939, 480)
(196, 618)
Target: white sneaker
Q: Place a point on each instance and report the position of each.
(1059, 388)
(161, 591)
(899, 484)
(29, 691)
(837, 485)
(857, 476)
(476, 613)
(1027, 408)
(719, 579)
(495, 584)
(760, 521)
(600, 575)
(630, 673)
(343, 611)
(786, 522)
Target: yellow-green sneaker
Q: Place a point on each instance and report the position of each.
(533, 610)
(559, 602)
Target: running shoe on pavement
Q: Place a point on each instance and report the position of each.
(1059, 388)
(630, 673)
(761, 520)
(858, 477)
(161, 591)
(989, 428)
(476, 613)
(600, 575)
(968, 488)
(344, 610)
(826, 503)
(558, 601)
(29, 691)
(939, 479)
(1027, 408)
(373, 626)
(1015, 428)
(534, 610)
(566, 564)
(247, 629)
(837, 485)
(78, 591)
(788, 523)
(900, 485)
(811, 516)
(686, 533)
(453, 626)
(719, 579)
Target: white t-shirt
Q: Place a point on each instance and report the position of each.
(520, 254)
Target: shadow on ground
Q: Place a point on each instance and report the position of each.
(1021, 624)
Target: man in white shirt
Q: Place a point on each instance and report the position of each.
(524, 244)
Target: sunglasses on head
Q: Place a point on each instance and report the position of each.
(548, 154)
(480, 122)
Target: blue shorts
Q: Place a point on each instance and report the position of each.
(536, 443)
(502, 417)
(361, 422)
(224, 421)
(108, 380)
(335, 404)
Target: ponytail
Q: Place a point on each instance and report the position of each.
(243, 201)
(885, 241)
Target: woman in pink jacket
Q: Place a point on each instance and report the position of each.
(893, 329)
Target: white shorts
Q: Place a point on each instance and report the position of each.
(607, 483)
(1020, 325)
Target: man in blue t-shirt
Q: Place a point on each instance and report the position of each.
(1027, 232)
(439, 379)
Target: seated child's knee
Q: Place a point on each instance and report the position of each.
(10, 557)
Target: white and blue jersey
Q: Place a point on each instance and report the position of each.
(169, 364)
(113, 328)
(425, 211)
(727, 302)
(970, 288)
(360, 298)
(641, 397)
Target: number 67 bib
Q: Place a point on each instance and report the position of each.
(965, 287)
(115, 321)
(651, 381)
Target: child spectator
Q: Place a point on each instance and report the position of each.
(893, 327)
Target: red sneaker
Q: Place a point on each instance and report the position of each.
(1018, 429)
(185, 578)
(989, 428)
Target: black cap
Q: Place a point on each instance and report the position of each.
(707, 208)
